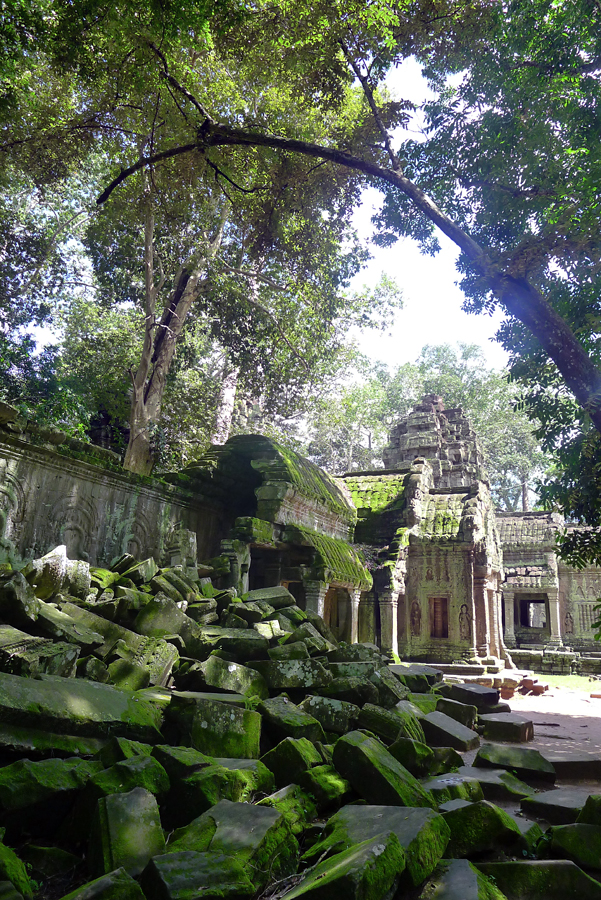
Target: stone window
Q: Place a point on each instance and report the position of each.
(439, 617)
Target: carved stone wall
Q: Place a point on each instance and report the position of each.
(47, 498)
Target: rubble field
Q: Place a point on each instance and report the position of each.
(165, 739)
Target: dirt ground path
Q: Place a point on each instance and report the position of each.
(563, 720)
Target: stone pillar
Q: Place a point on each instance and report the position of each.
(355, 595)
(388, 603)
(554, 621)
(367, 618)
(509, 604)
(481, 612)
(315, 592)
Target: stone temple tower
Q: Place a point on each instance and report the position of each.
(444, 437)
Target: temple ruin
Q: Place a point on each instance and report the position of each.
(413, 556)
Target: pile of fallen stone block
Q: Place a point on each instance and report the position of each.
(165, 739)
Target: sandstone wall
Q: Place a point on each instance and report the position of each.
(47, 498)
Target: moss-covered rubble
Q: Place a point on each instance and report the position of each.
(163, 739)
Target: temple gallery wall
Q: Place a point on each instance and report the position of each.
(412, 556)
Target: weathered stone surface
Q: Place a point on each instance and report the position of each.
(418, 758)
(156, 656)
(548, 879)
(198, 792)
(22, 654)
(257, 836)
(422, 833)
(360, 652)
(218, 674)
(12, 869)
(243, 644)
(591, 811)
(461, 712)
(128, 676)
(126, 833)
(531, 832)
(376, 775)
(290, 674)
(311, 637)
(136, 772)
(442, 731)
(559, 807)
(19, 605)
(526, 763)
(161, 616)
(290, 758)
(335, 716)
(446, 759)
(390, 689)
(498, 784)
(578, 842)
(388, 724)
(326, 786)
(49, 572)
(118, 749)
(25, 783)
(297, 650)
(454, 787)
(58, 625)
(179, 762)
(282, 719)
(458, 879)
(426, 703)
(215, 728)
(359, 669)
(367, 871)
(37, 743)
(187, 875)
(118, 885)
(351, 690)
(473, 695)
(279, 597)
(507, 727)
(575, 765)
(297, 807)
(479, 827)
(412, 679)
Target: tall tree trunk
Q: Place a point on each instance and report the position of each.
(225, 403)
(160, 341)
(525, 493)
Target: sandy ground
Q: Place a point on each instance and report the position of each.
(563, 720)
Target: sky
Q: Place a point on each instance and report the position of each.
(432, 311)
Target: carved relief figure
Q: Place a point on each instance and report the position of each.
(465, 626)
(569, 623)
(416, 619)
(429, 575)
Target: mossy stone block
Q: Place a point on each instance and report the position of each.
(290, 758)
(559, 807)
(47, 862)
(215, 727)
(578, 842)
(257, 836)
(376, 775)
(179, 762)
(194, 795)
(390, 689)
(498, 784)
(479, 827)
(13, 869)
(389, 724)
(357, 691)
(427, 703)
(286, 674)
(335, 716)
(417, 757)
(117, 885)
(25, 783)
(220, 675)
(326, 786)
(591, 811)
(77, 707)
(458, 879)
(443, 731)
(126, 832)
(551, 879)
(368, 870)
(119, 749)
(422, 833)
(461, 712)
(297, 807)
(135, 772)
(188, 875)
(282, 718)
(298, 650)
(454, 787)
(526, 763)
